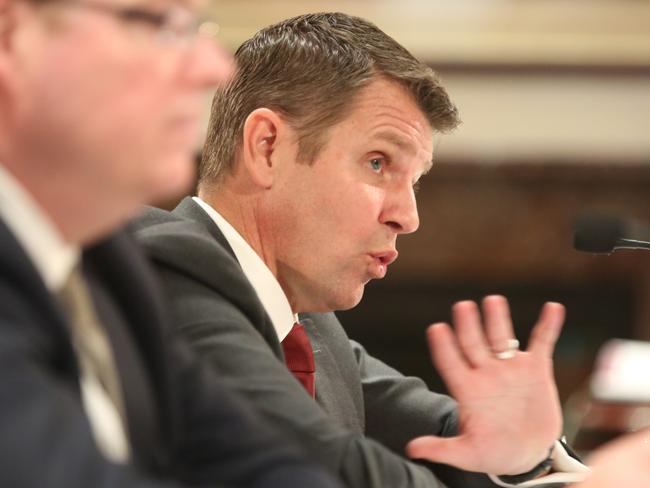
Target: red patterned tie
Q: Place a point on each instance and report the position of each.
(300, 358)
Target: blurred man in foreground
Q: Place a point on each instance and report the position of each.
(307, 179)
(98, 113)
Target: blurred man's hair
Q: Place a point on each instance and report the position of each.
(309, 69)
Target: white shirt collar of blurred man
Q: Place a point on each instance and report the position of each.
(53, 258)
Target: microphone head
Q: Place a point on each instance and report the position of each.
(597, 234)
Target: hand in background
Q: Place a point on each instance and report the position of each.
(509, 410)
(624, 462)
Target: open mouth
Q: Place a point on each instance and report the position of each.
(385, 257)
(381, 260)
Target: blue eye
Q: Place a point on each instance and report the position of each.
(377, 164)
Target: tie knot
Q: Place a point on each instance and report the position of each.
(299, 356)
(297, 350)
(73, 290)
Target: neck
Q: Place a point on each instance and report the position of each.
(79, 215)
(244, 210)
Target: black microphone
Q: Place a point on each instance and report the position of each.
(604, 234)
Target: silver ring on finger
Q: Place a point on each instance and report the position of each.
(510, 351)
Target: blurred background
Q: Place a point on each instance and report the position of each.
(555, 101)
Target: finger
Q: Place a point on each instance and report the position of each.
(467, 322)
(446, 355)
(498, 324)
(447, 450)
(547, 330)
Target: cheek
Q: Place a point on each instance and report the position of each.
(341, 227)
(82, 96)
(119, 118)
(331, 213)
(355, 211)
(109, 83)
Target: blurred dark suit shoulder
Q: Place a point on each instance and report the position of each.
(182, 425)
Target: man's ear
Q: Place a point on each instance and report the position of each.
(262, 129)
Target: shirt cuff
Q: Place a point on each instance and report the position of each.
(565, 468)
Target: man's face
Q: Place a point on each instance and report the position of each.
(335, 222)
(107, 101)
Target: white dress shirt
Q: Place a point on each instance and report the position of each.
(264, 282)
(54, 260)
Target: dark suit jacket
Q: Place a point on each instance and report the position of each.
(183, 426)
(366, 411)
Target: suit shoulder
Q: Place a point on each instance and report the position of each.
(164, 235)
(184, 246)
(152, 222)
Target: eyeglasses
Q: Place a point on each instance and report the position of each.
(175, 25)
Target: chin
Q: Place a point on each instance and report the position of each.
(347, 301)
(176, 180)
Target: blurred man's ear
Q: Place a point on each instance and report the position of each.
(262, 130)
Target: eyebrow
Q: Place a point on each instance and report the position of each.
(403, 144)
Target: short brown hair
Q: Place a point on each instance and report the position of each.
(308, 69)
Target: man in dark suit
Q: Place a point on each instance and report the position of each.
(306, 181)
(98, 113)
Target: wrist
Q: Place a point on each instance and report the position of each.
(565, 467)
(541, 469)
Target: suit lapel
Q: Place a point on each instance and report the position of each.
(190, 210)
(109, 272)
(18, 269)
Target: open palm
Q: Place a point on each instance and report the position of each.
(509, 411)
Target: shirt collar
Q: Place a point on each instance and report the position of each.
(52, 256)
(264, 283)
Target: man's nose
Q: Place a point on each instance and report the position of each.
(401, 211)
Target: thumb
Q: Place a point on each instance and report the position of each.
(446, 450)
